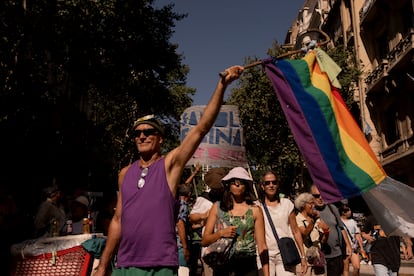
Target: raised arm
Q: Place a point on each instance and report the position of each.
(193, 174)
(177, 158)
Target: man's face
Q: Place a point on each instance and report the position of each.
(317, 197)
(147, 138)
(270, 184)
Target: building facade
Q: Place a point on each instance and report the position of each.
(381, 34)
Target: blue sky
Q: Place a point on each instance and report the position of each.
(218, 34)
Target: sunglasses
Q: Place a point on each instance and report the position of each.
(237, 182)
(316, 195)
(147, 132)
(141, 181)
(268, 182)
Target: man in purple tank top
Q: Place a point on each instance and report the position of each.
(142, 230)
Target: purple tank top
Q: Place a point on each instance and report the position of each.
(148, 236)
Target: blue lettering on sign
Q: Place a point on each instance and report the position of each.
(221, 120)
(184, 132)
(233, 141)
(225, 131)
(232, 124)
(224, 119)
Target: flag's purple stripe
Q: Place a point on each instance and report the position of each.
(303, 133)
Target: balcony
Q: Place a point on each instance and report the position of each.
(399, 56)
(376, 76)
(400, 149)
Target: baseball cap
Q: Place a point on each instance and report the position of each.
(150, 120)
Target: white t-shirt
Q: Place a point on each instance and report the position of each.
(280, 216)
(353, 229)
(201, 205)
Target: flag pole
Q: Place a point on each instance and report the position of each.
(289, 53)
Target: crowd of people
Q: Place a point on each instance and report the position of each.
(316, 227)
(156, 226)
(145, 228)
(60, 214)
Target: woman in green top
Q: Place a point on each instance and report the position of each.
(246, 226)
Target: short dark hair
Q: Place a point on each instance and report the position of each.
(184, 189)
(343, 208)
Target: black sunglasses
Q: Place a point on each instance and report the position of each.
(316, 195)
(237, 182)
(268, 182)
(147, 132)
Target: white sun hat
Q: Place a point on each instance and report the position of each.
(237, 173)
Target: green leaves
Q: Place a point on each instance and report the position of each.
(85, 70)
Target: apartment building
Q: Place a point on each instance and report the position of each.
(381, 34)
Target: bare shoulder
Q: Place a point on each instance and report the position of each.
(122, 174)
(124, 170)
(257, 211)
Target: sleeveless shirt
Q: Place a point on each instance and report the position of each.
(148, 219)
(244, 245)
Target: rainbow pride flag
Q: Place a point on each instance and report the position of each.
(336, 152)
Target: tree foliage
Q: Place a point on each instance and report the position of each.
(75, 75)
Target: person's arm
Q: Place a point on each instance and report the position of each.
(209, 235)
(114, 233)
(306, 230)
(193, 174)
(178, 157)
(360, 243)
(367, 230)
(325, 230)
(183, 238)
(409, 247)
(299, 241)
(347, 242)
(198, 218)
(260, 238)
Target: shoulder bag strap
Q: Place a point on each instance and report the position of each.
(339, 228)
(220, 214)
(269, 218)
(333, 213)
(349, 233)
